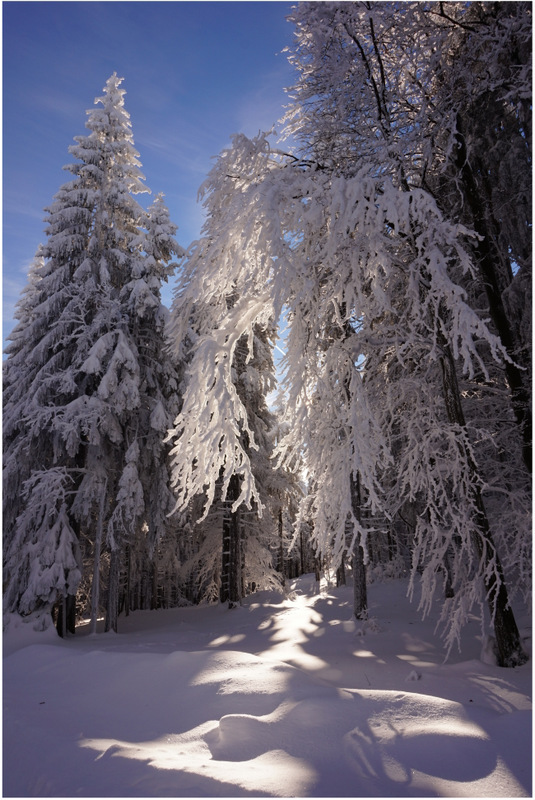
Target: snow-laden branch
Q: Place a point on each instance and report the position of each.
(212, 432)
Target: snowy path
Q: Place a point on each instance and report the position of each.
(277, 698)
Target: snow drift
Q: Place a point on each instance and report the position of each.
(283, 697)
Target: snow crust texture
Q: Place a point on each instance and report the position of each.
(282, 697)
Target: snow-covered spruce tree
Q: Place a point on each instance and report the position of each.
(159, 379)
(357, 57)
(87, 402)
(292, 548)
(18, 374)
(42, 466)
(262, 534)
(233, 548)
(223, 437)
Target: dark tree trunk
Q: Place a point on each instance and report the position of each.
(235, 570)
(341, 572)
(281, 548)
(66, 619)
(154, 591)
(509, 646)
(360, 593)
(112, 606)
(128, 580)
(231, 551)
(95, 586)
(391, 543)
(520, 395)
(448, 583)
(146, 583)
(225, 559)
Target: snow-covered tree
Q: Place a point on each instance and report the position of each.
(437, 96)
(380, 86)
(18, 374)
(88, 405)
(361, 265)
(484, 97)
(223, 436)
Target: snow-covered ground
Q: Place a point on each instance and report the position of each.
(281, 697)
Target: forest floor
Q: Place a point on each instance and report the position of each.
(281, 697)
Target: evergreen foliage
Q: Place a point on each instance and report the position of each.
(89, 390)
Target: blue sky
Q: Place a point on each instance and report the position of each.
(194, 73)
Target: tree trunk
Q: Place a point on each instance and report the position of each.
(360, 594)
(302, 552)
(225, 559)
(95, 585)
(281, 548)
(235, 571)
(341, 572)
(128, 588)
(154, 592)
(113, 593)
(520, 395)
(448, 583)
(231, 551)
(145, 585)
(509, 646)
(66, 620)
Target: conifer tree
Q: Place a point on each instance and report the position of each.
(223, 436)
(87, 406)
